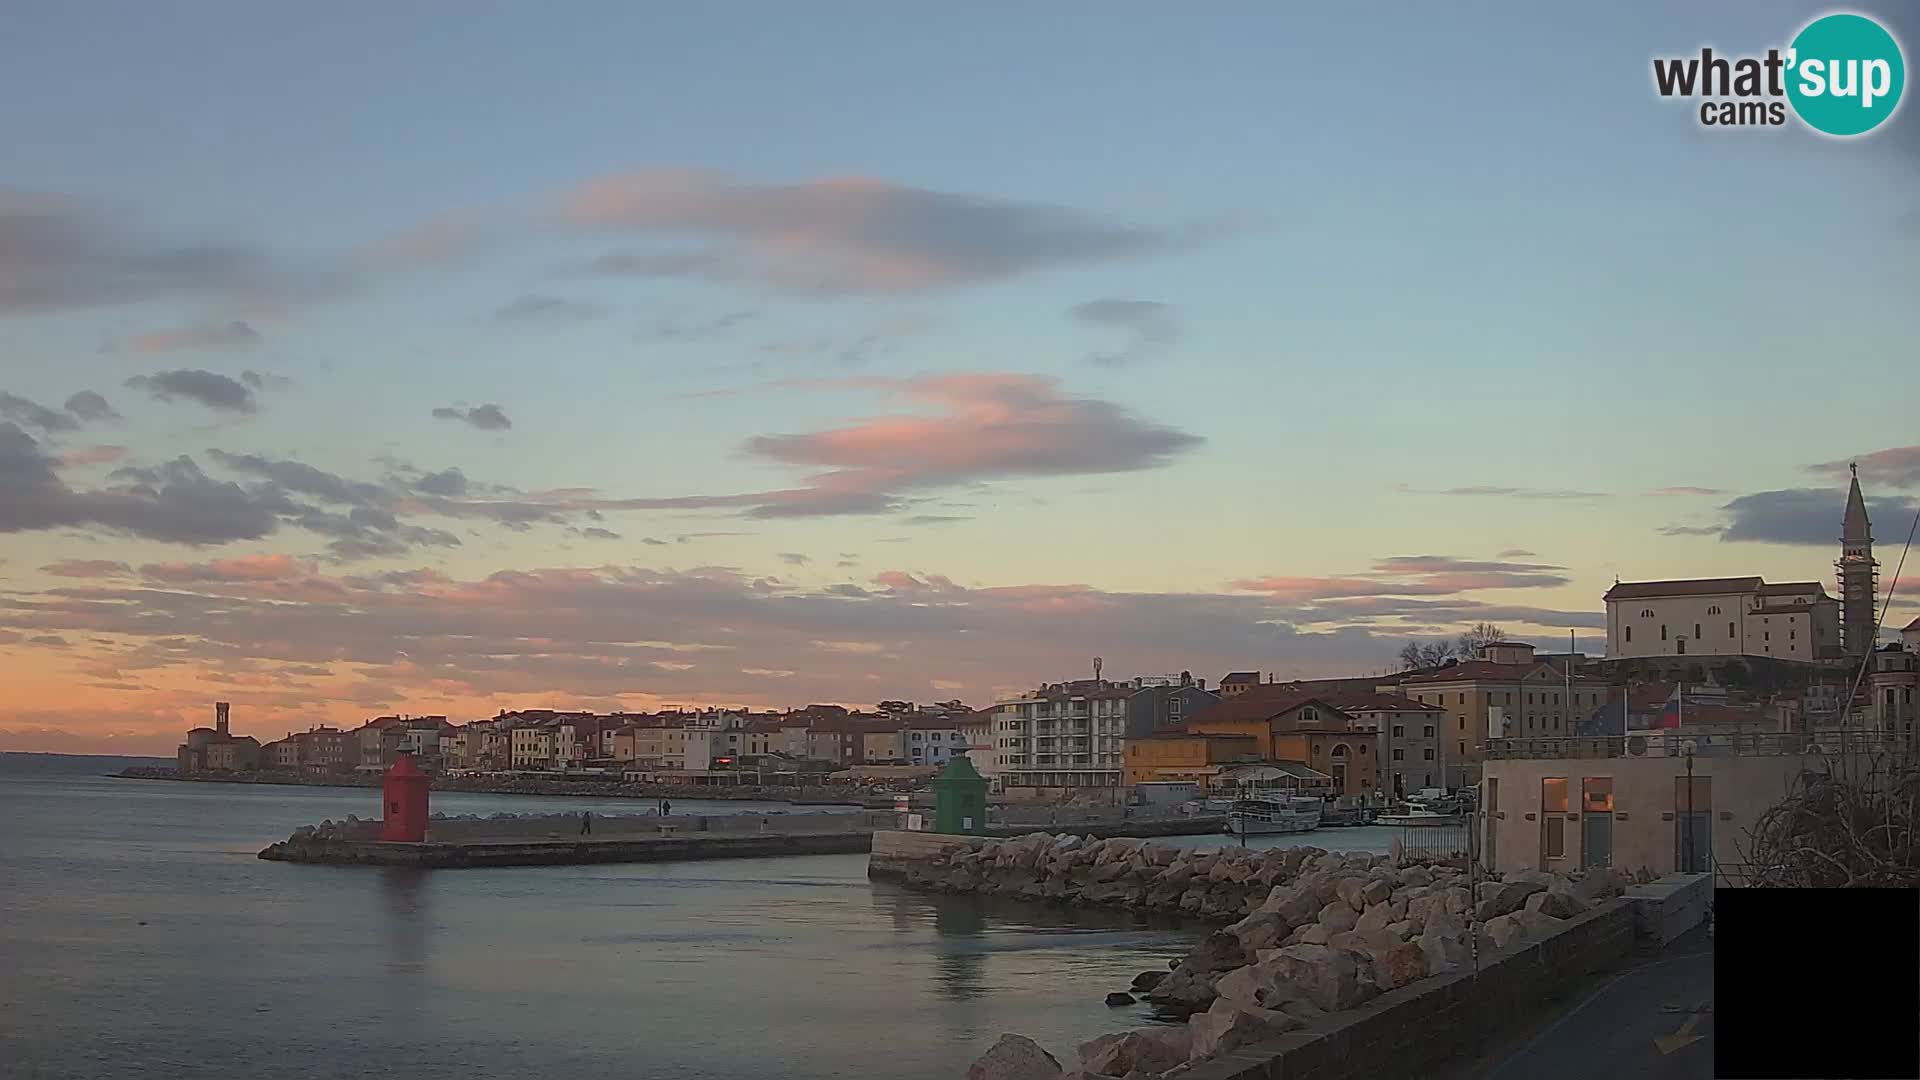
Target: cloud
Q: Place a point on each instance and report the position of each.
(173, 502)
(87, 568)
(1150, 327)
(1897, 466)
(214, 391)
(1510, 493)
(1514, 553)
(92, 455)
(59, 253)
(89, 406)
(484, 417)
(228, 335)
(243, 568)
(843, 235)
(1410, 576)
(1809, 516)
(1685, 490)
(33, 414)
(682, 330)
(594, 532)
(547, 310)
(793, 558)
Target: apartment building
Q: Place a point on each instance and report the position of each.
(1063, 739)
(1507, 694)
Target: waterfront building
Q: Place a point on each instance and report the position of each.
(1298, 726)
(217, 749)
(933, 738)
(1738, 616)
(1666, 800)
(1895, 679)
(1164, 703)
(1187, 757)
(1063, 739)
(1407, 735)
(1508, 693)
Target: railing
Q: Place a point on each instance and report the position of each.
(1668, 743)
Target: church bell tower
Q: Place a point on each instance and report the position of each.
(1859, 574)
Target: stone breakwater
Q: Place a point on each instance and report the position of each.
(1314, 932)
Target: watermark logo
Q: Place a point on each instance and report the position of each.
(1842, 75)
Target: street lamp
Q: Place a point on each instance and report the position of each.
(1686, 825)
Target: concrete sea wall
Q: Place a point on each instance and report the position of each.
(452, 856)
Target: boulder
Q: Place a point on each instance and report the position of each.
(1015, 1057)
(1398, 964)
(1445, 950)
(1227, 1026)
(1405, 929)
(1557, 905)
(1414, 875)
(1500, 897)
(1184, 991)
(1598, 885)
(1376, 917)
(1458, 900)
(1118, 999)
(1329, 977)
(1348, 891)
(1337, 916)
(1147, 980)
(1296, 903)
(1218, 951)
(1505, 930)
(1376, 891)
(1313, 934)
(1145, 1050)
(1260, 930)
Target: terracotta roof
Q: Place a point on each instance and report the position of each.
(934, 721)
(1638, 590)
(1235, 678)
(1264, 709)
(1914, 625)
(1177, 733)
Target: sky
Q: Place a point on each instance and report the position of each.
(444, 358)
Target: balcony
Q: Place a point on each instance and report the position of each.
(1678, 744)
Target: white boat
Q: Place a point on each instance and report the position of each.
(1265, 815)
(1420, 817)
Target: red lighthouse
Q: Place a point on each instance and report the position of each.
(404, 799)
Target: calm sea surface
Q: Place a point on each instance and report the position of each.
(139, 936)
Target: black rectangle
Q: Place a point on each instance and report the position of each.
(1816, 983)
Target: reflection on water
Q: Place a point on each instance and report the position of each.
(140, 937)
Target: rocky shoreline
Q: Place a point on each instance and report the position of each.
(1314, 932)
(807, 796)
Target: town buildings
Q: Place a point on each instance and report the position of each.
(217, 749)
(1508, 693)
(1165, 702)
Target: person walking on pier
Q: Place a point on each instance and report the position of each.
(586, 823)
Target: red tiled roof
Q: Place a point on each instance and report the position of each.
(1792, 588)
(1638, 590)
(1265, 708)
(934, 721)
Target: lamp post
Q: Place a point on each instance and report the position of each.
(1686, 827)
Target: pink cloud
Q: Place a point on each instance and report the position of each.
(92, 455)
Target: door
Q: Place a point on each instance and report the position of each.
(1693, 825)
(1596, 822)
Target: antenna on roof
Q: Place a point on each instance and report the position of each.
(1097, 662)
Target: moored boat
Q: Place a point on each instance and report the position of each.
(1265, 815)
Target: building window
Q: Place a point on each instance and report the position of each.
(1429, 754)
(1399, 755)
(1553, 809)
(1714, 610)
(1729, 629)
(1646, 613)
(1306, 714)
(1463, 749)
(1429, 731)
(1399, 731)
(1629, 633)
(1696, 631)
(1663, 631)
(1793, 635)
(1463, 700)
(1598, 795)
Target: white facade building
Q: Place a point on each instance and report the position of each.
(1742, 616)
(1063, 739)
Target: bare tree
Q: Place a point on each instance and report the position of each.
(1473, 644)
(1848, 822)
(1412, 656)
(1425, 654)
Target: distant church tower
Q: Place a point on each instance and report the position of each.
(1859, 574)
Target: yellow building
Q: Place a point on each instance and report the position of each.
(1507, 695)
(1298, 726)
(1186, 756)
